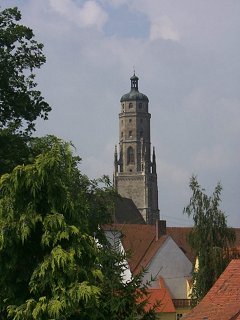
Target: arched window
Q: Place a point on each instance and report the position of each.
(130, 155)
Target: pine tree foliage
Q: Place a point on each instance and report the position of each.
(210, 238)
(55, 262)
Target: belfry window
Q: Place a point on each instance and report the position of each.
(130, 155)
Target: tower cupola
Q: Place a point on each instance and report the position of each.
(134, 94)
(134, 82)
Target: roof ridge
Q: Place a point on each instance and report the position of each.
(162, 240)
(143, 255)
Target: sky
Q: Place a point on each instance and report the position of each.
(186, 55)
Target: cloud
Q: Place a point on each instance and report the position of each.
(214, 158)
(192, 82)
(172, 172)
(163, 28)
(117, 3)
(89, 15)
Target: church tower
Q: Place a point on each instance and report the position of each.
(135, 174)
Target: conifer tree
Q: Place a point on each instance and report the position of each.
(210, 238)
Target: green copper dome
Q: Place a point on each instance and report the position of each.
(134, 94)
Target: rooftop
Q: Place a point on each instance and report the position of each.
(222, 302)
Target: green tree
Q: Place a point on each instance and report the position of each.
(20, 54)
(210, 238)
(55, 262)
(20, 102)
(119, 296)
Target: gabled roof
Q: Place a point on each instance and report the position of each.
(222, 302)
(162, 298)
(127, 212)
(140, 241)
(180, 235)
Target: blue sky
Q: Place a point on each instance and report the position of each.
(186, 55)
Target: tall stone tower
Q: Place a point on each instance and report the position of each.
(135, 174)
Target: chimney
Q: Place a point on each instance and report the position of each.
(160, 228)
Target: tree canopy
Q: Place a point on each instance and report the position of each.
(20, 54)
(55, 260)
(210, 238)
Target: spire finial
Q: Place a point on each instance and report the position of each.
(133, 70)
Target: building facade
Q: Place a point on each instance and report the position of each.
(135, 174)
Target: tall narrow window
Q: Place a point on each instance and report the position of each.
(130, 105)
(130, 155)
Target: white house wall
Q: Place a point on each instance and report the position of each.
(114, 239)
(173, 266)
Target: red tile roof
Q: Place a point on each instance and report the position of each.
(162, 298)
(222, 302)
(140, 241)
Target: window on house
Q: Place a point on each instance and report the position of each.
(130, 155)
(130, 134)
(130, 105)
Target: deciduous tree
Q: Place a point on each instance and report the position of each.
(210, 238)
(55, 262)
(20, 54)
